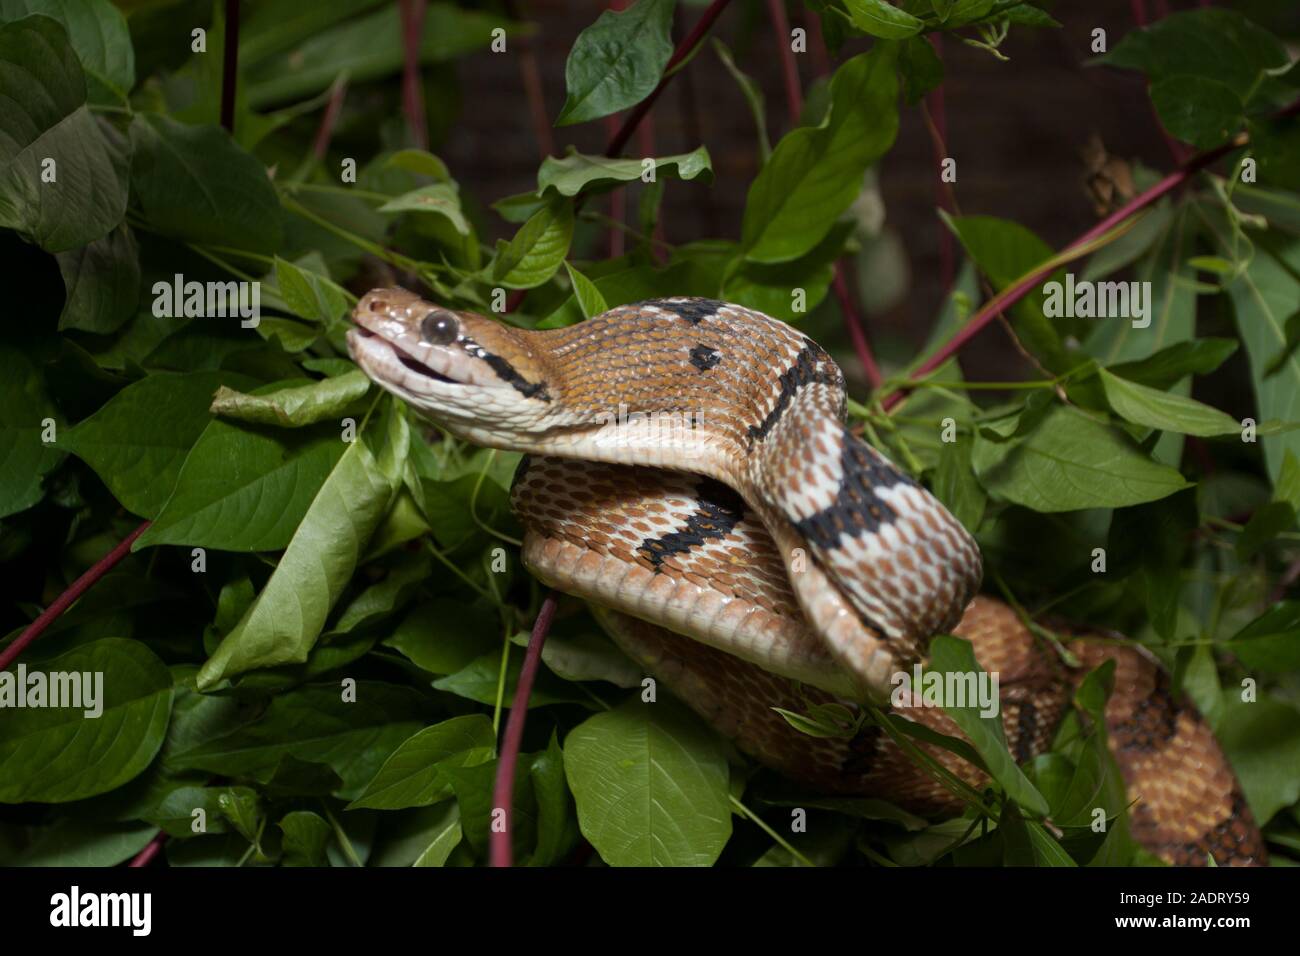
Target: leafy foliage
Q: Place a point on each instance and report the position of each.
(307, 656)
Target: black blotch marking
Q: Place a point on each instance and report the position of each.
(505, 371)
(1026, 730)
(1154, 721)
(704, 358)
(693, 310)
(720, 510)
(857, 508)
(812, 364)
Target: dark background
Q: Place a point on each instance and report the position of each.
(1017, 129)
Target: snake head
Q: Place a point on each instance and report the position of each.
(458, 368)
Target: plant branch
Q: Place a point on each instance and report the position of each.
(330, 118)
(151, 850)
(853, 322)
(412, 93)
(500, 849)
(683, 50)
(789, 69)
(1014, 293)
(68, 597)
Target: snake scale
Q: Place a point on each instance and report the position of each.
(688, 472)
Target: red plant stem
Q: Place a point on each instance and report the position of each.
(412, 92)
(1010, 296)
(500, 850)
(789, 69)
(66, 599)
(1139, 9)
(817, 43)
(683, 50)
(854, 324)
(145, 856)
(943, 196)
(230, 66)
(330, 119)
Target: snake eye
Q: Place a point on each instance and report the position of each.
(439, 328)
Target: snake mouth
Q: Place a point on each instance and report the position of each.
(405, 358)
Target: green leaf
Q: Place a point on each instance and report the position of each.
(328, 399)
(884, 20)
(243, 808)
(955, 484)
(537, 249)
(445, 636)
(421, 162)
(175, 172)
(284, 621)
(962, 12)
(1271, 642)
(306, 835)
(313, 723)
(1028, 15)
(411, 776)
(24, 407)
(54, 134)
(102, 282)
(919, 68)
(815, 173)
(1164, 410)
(556, 829)
(589, 298)
(651, 786)
(138, 441)
(955, 656)
(1212, 43)
(77, 841)
(364, 48)
(441, 199)
(617, 61)
(1172, 364)
(1196, 109)
(245, 488)
(1262, 298)
(1262, 740)
(55, 754)
(1005, 251)
(1070, 461)
(582, 173)
(443, 837)
(99, 35)
(314, 297)
(480, 681)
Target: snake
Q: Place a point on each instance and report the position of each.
(689, 472)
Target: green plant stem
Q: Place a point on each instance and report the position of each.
(758, 821)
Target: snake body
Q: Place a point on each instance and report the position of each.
(688, 471)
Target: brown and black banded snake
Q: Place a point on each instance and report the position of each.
(690, 474)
